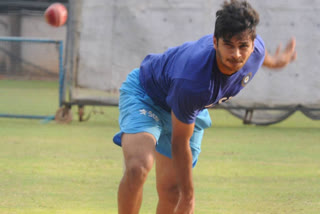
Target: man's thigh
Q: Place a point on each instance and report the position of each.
(138, 149)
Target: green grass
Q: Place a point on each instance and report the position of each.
(75, 168)
(249, 169)
(28, 97)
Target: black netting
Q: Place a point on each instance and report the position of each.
(311, 113)
(263, 115)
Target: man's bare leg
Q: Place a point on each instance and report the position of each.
(167, 186)
(138, 150)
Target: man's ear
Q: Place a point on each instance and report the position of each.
(252, 46)
(215, 41)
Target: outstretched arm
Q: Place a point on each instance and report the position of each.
(282, 57)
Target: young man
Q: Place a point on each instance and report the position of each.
(163, 105)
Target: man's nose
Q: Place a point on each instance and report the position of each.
(236, 53)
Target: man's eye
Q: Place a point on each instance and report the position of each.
(244, 46)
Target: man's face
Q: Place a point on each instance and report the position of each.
(233, 53)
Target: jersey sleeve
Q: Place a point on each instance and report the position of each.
(184, 101)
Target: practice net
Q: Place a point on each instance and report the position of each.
(29, 77)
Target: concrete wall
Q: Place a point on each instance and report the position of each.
(115, 35)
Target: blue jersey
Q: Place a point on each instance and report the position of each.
(186, 79)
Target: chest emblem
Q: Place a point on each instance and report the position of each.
(246, 79)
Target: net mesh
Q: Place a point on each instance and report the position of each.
(29, 74)
(27, 60)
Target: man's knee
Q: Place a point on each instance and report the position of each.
(136, 172)
(168, 192)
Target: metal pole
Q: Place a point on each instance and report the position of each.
(61, 74)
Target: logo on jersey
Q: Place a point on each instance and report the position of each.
(246, 79)
(209, 106)
(222, 100)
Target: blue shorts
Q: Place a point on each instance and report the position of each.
(138, 113)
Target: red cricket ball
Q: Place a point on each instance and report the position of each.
(56, 14)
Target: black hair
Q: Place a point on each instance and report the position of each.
(234, 18)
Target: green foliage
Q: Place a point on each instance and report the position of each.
(75, 168)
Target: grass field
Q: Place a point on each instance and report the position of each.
(75, 168)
